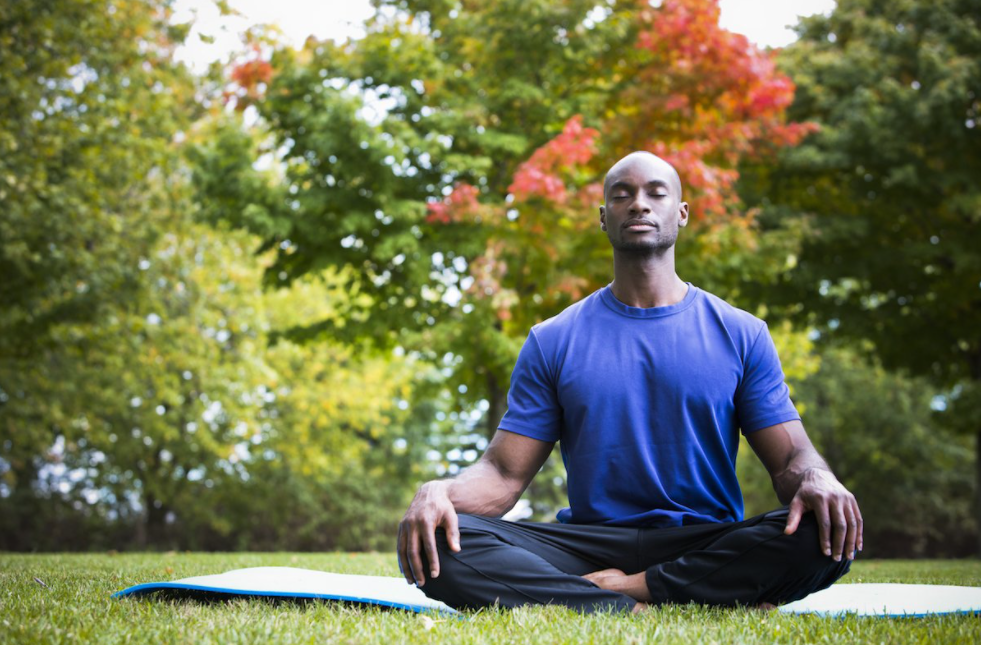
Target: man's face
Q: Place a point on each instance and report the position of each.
(643, 210)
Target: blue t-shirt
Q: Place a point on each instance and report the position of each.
(647, 405)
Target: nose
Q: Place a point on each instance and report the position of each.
(640, 204)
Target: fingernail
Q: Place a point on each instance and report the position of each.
(433, 574)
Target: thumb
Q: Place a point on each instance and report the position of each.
(793, 517)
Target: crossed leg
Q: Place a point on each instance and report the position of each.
(744, 563)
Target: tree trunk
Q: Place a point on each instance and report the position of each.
(21, 530)
(975, 366)
(139, 535)
(155, 515)
(977, 468)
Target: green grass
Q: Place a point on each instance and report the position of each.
(75, 606)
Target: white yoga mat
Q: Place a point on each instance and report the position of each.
(885, 600)
(880, 599)
(290, 582)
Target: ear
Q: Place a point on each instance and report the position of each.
(602, 218)
(682, 214)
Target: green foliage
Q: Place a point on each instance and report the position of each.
(217, 336)
(141, 403)
(90, 103)
(911, 475)
(173, 419)
(887, 188)
(447, 160)
(75, 604)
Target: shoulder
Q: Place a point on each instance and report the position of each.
(569, 318)
(733, 318)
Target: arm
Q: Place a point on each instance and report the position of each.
(490, 487)
(802, 478)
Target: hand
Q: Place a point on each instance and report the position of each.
(835, 509)
(430, 508)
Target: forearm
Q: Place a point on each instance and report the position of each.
(481, 489)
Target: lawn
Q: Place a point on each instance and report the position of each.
(74, 605)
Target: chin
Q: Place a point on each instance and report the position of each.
(653, 247)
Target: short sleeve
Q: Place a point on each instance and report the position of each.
(763, 399)
(533, 406)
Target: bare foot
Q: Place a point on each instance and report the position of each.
(634, 586)
(639, 607)
(766, 606)
(597, 577)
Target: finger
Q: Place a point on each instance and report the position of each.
(429, 541)
(860, 527)
(403, 557)
(452, 523)
(796, 510)
(415, 559)
(852, 531)
(824, 527)
(839, 525)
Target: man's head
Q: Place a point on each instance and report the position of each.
(643, 208)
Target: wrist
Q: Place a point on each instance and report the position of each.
(435, 487)
(815, 473)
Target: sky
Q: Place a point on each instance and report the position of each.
(765, 22)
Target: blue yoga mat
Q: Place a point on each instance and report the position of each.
(885, 600)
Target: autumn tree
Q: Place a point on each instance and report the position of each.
(453, 158)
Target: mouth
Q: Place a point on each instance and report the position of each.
(639, 225)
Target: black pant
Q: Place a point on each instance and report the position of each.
(729, 564)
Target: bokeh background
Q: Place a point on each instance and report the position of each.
(258, 282)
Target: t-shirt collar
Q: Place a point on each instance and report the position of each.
(606, 295)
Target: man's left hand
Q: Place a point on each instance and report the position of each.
(835, 509)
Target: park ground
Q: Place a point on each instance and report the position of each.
(62, 598)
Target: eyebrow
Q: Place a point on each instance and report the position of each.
(658, 183)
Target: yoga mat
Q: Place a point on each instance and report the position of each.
(290, 582)
(888, 600)
(885, 600)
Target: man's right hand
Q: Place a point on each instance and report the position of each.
(430, 508)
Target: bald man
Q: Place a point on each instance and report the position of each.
(646, 385)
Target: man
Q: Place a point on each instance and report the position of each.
(647, 383)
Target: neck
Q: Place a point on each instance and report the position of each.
(647, 280)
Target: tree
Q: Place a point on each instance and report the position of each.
(876, 428)
(90, 104)
(173, 424)
(452, 159)
(887, 189)
(139, 401)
